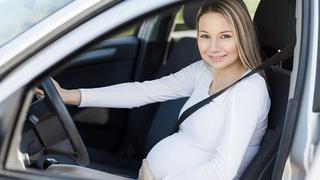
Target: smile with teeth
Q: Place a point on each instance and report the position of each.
(217, 58)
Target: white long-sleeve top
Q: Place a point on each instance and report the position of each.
(215, 142)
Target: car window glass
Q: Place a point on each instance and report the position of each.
(130, 31)
(23, 14)
(252, 6)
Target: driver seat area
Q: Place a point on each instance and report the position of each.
(272, 38)
(143, 133)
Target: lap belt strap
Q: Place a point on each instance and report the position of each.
(285, 54)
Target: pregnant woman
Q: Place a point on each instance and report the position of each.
(220, 139)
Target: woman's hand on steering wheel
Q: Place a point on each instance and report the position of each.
(71, 97)
(40, 93)
(60, 90)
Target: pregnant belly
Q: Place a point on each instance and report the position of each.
(173, 155)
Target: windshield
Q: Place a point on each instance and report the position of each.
(16, 16)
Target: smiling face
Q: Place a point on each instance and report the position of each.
(216, 42)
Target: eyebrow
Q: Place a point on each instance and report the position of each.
(220, 32)
(226, 32)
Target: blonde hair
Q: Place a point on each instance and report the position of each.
(238, 16)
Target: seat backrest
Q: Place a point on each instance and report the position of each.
(164, 121)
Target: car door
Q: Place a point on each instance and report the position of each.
(299, 142)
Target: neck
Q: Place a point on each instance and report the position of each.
(224, 77)
(229, 72)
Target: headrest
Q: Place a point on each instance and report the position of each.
(275, 23)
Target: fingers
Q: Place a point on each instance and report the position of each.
(56, 84)
(58, 87)
(38, 92)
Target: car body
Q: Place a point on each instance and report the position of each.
(80, 46)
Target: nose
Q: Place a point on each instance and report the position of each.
(214, 46)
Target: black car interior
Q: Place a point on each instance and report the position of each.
(121, 138)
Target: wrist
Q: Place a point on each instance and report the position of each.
(71, 97)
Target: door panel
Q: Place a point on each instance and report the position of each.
(110, 62)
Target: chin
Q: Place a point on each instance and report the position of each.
(217, 65)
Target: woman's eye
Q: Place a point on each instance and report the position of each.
(225, 36)
(204, 36)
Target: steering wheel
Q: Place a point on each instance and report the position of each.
(64, 116)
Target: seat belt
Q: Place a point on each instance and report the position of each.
(285, 54)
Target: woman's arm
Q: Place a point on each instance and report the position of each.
(70, 97)
(135, 94)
